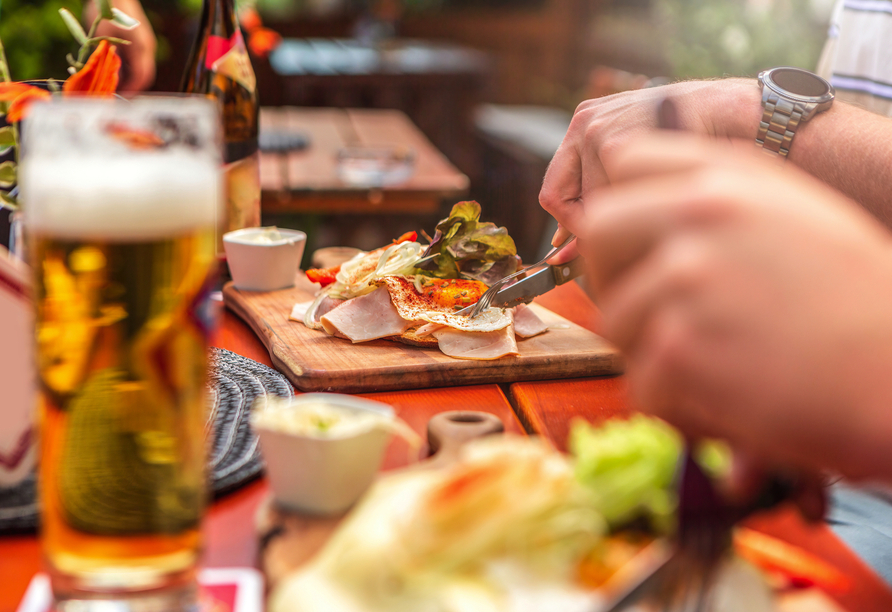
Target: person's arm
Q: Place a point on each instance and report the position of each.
(750, 301)
(139, 56)
(848, 148)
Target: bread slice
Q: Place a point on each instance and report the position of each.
(411, 338)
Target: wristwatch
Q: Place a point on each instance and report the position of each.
(789, 97)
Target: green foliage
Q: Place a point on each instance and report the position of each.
(36, 39)
(189, 6)
(713, 38)
(7, 174)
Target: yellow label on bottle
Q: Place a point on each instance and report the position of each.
(235, 63)
(242, 183)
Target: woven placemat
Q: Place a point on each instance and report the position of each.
(235, 382)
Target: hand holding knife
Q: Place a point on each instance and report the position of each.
(531, 286)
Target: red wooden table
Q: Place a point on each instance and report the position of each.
(543, 407)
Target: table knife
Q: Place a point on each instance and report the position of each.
(538, 283)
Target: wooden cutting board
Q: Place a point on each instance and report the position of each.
(315, 361)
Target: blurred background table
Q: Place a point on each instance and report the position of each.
(306, 181)
(437, 84)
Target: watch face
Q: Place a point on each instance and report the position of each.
(800, 82)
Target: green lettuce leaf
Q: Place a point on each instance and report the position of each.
(629, 468)
(467, 248)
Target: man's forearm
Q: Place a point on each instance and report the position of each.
(846, 147)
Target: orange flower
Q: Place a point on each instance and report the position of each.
(11, 91)
(21, 96)
(22, 103)
(262, 41)
(99, 76)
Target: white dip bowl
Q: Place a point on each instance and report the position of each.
(322, 450)
(264, 258)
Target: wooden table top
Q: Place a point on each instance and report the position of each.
(545, 407)
(307, 180)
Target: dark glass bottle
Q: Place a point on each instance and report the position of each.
(219, 66)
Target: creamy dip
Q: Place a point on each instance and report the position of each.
(316, 419)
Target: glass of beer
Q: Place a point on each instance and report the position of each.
(120, 201)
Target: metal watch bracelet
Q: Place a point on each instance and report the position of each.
(780, 119)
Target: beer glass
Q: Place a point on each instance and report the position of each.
(120, 202)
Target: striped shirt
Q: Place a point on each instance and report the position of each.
(857, 58)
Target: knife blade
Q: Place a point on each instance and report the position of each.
(538, 283)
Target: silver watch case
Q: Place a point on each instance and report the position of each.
(808, 105)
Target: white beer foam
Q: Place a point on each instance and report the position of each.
(137, 197)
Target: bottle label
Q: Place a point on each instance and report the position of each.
(229, 57)
(242, 209)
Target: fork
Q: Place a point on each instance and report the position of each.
(486, 299)
(704, 537)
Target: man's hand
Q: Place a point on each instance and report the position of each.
(138, 71)
(728, 108)
(752, 302)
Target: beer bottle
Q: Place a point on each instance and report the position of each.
(219, 67)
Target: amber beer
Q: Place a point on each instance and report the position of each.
(122, 248)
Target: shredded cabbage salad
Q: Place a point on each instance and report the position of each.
(396, 260)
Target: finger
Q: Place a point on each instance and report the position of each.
(746, 479)
(569, 253)
(655, 375)
(560, 236)
(671, 272)
(631, 219)
(810, 497)
(594, 176)
(663, 153)
(562, 187)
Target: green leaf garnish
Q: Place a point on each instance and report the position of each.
(74, 26)
(629, 467)
(463, 247)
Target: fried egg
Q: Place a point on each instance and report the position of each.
(439, 300)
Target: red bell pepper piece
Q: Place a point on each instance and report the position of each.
(407, 237)
(323, 276)
(799, 567)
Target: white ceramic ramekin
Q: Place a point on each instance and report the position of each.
(324, 474)
(266, 265)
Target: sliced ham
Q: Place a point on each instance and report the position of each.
(365, 318)
(477, 345)
(312, 312)
(526, 323)
(427, 329)
(299, 310)
(326, 306)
